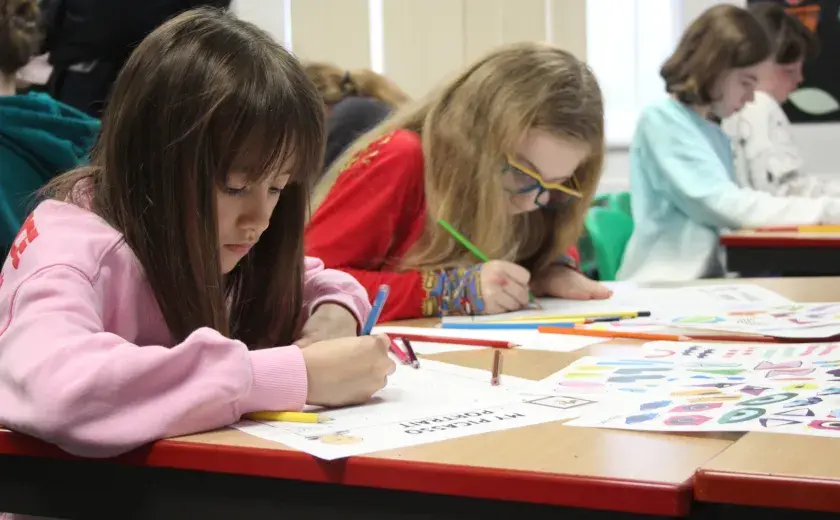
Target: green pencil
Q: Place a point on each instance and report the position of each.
(470, 246)
(463, 240)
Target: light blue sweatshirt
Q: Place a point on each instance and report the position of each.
(682, 184)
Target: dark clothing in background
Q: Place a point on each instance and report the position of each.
(350, 118)
(90, 40)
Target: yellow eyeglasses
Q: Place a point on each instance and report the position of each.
(549, 194)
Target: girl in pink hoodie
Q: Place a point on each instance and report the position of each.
(152, 294)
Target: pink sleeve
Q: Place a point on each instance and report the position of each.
(65, 380)
(331, 286)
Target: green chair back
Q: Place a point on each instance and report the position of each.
(609, 231)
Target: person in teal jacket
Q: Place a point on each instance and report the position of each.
(39, 136)
(682, 175)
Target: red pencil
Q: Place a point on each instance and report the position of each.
(411, 355)
(397, 351)
(492, 343)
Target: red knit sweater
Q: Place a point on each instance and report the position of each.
(372, 216)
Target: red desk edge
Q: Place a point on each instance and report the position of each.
(763, 490)
(757, 240)
(632, 496)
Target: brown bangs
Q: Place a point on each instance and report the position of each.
(263, 130)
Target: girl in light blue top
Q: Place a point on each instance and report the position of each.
(681, 169)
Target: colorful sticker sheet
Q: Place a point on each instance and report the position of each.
(680, 351)
(796, 408)
(637, 376)
(793, 320)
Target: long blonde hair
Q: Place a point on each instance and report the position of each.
(468, 126)
(335, 84)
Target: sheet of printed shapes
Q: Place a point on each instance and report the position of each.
(794, 321)
(628, 376)
(682, 350)
(795, 396)
(795, 408)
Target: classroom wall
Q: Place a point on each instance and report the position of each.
(349, 32)
(817, 142)
(394, 36)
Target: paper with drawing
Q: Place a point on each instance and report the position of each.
(796, 408)
(661, 302)
(797, 395)
(433, 403)
(792, 320)
(637, 376)
(526, 339)
(674, 350)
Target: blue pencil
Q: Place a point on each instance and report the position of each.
(503, 326)
(376, 310)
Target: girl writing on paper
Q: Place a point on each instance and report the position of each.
(509, 153)
(766, 157)
(153, 294)
(682, 175)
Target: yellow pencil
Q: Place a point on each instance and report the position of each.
(300, 417)
(820, 228)
(570, 317)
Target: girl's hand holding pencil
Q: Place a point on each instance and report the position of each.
(504, 286)
(347, 371)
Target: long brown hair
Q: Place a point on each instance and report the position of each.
(724, 37)
(335, 84)
(204, 95)
(20, 36)
(467, 128)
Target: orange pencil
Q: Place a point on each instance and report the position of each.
(652, 336)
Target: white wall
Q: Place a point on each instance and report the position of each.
(418, 58)
(423, 41)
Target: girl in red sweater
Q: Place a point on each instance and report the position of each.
(509, 153)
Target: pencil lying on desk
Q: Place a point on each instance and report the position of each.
(492, 343)
(652, 336)
(827, 228)
(300, 417)
(567, 318)
(481, 325)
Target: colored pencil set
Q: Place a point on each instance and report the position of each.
(652, 336)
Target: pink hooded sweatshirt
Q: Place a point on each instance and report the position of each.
(88, 363)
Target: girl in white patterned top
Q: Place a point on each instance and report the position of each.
(766, 157)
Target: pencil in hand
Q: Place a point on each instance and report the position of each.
(472, 248)
(401, 356)
(376, 308)
(412, 357)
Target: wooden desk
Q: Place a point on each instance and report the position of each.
(523, 472)
(791, 254)
(774, 471)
